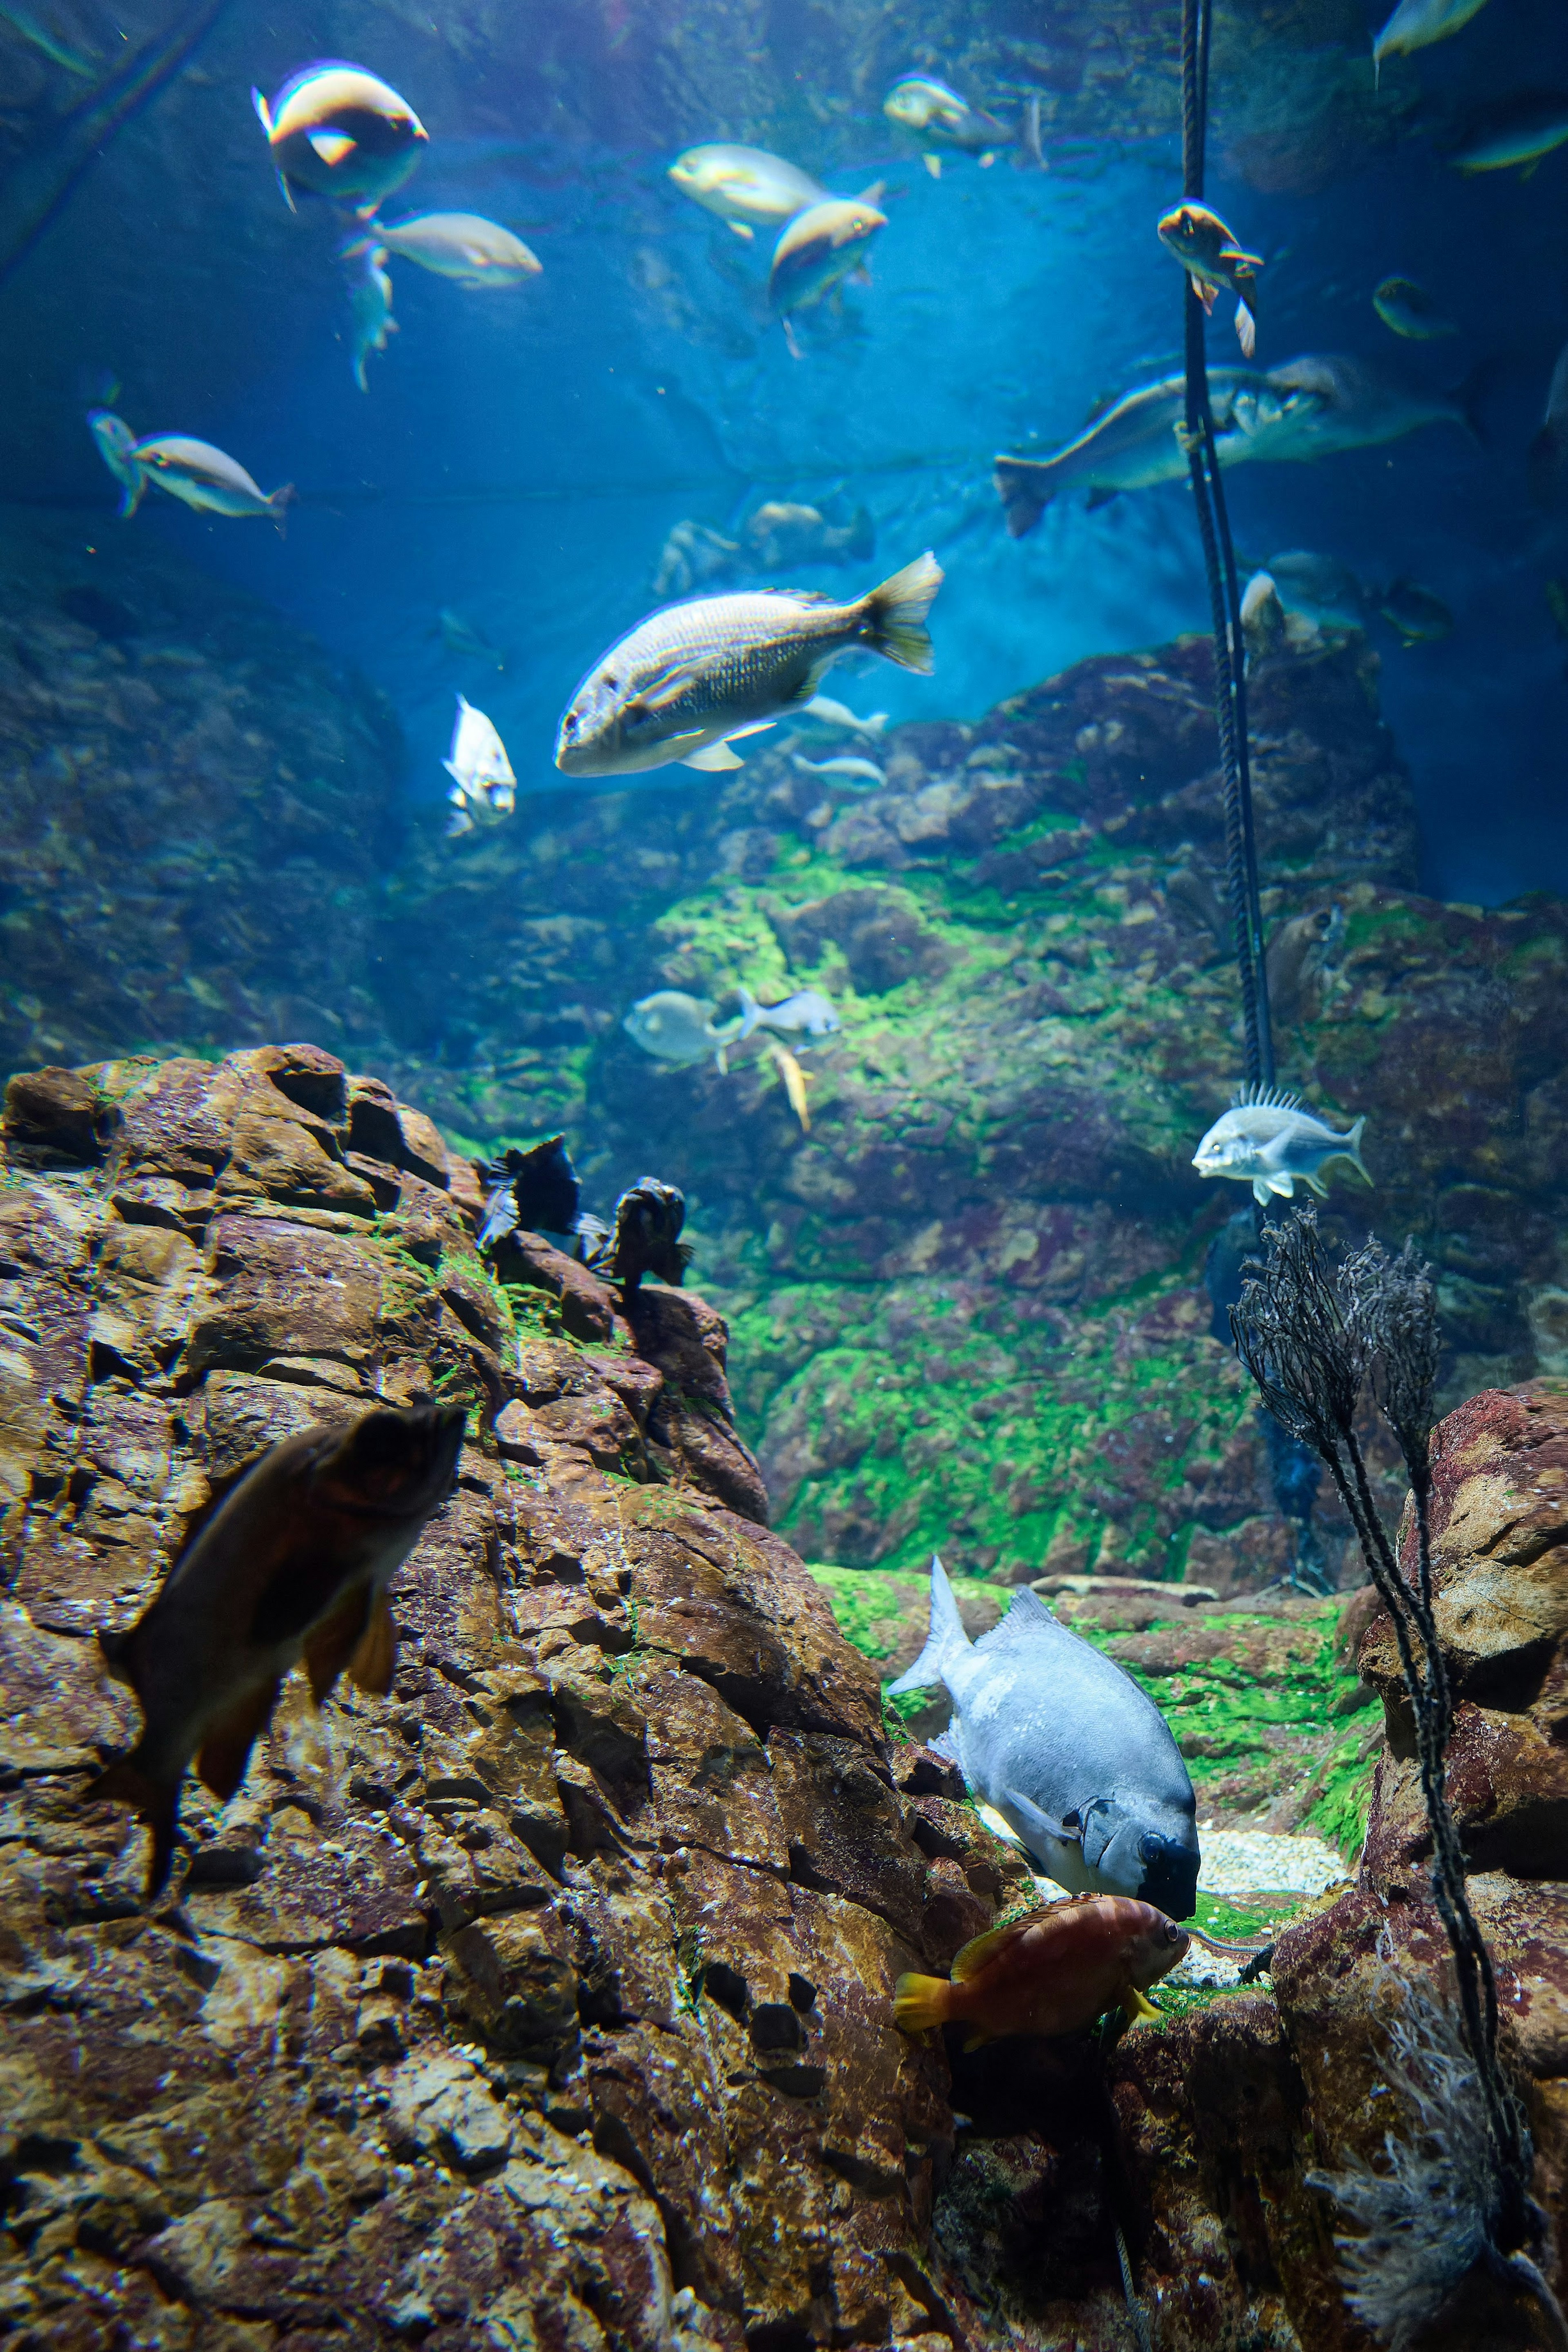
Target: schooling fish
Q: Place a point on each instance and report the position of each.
(1407, 310)
(1268, 1140)
(829, 713)
(1518, 129)
(1420, 617)
(1068, 1748)
(294, 1564)
(474, 252)
(1549, 450)
(796, 1081)
(117, 446)
(678, 1029)
(921, 103)
(337, 130)
(808, 1013)
(683, 682)
(1214, 261)
(1417, 23)
(745, 187)
(483, 785)
(853, 771)
(820, 245)
(648, 1221)
(1053, 1972)
(206, 479)
(369, 308)
(47, 43)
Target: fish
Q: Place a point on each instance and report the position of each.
(819, 247)
(745, 187)
(294, 1564)
(1072, 1754)
(920, 102)
(686, 681)
(337, 130)
(49, 44)
(476, 253)
(808, 1013)
(460, 636)
(369, 308)
(1318, 587)
(1408, 310)
(648, 1221)
(1549, 450)
(1417, 23)
(41, 182)
(796, 1081)
(1311, 407)
(1262, 615)
(1518, 129)
(1268, 1139)
(1212, 257)
(826, 712)
(116, 444)
(483, 785)
(1052, 1972)
(781, 535)
(208, 479)
(1420, 617)
(690, 557)
(536, 1190)
(679, 1030)
(853, 770)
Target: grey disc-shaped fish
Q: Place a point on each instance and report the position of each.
(1067, 1749)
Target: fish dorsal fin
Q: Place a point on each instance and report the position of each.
(1260, 1098)
(1025, 1622)
(982, 1950)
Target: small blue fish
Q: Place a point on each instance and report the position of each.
(807, 1013)
(116, 446)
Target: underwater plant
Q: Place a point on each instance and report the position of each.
(1312, 1340)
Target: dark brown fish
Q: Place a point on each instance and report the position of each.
(295, 1563)
(1053, 1972)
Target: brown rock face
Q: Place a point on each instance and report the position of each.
(547, 2001)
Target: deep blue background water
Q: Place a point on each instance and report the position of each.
(522, 455)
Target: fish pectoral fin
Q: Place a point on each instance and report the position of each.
(712, 759)
(1137, 2010)
(331, 146)
(1205, 295)
(740, 229)
(263, 111)
(225, 1750)
(1315, 1183)
(1038, 1820)
(933, 164)
(329, 1646)
(371, 1667)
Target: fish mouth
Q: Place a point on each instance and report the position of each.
(1170, 1875)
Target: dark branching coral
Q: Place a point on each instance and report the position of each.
(1312, 1341)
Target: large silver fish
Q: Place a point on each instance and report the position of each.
(1309, 408)
(465, 246)
(207, 478)
(1268, 1139)
(1067, 1749)
(745, 187)
(685, 680)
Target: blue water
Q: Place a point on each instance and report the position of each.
(522, 455)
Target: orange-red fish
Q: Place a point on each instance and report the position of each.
(1053, 1972)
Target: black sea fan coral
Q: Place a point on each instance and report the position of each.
(648, 1221)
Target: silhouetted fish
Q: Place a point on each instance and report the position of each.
(536, 1190)
(648, 1221)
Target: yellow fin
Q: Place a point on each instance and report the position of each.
(920, 2002)
(1139, 2011)
(372, 1663)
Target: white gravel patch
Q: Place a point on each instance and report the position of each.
(1250, 1862)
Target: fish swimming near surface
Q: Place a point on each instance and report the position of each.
(745, 187)
(1269, 1141)
(116, 444)
(807, 1014)
(820, 248)
(1420, 617)
(483, 785)
(1417, 23)
(1311, 407)
(337, 130)
(1549, 450)
(1053, 1972)
(370, 309)
(1068, 1750)
(1407, 310)
(460, 636)
(1212, 257)
(474, 252)
(796, 1081)
(294, 1564)
(209, 479)
(679, 1030)
(1516, 130)
(921, 103)
(849, 769)
(684, 682)
(825, 712)
(48, 42)
(647, 1240)
(535, 1191)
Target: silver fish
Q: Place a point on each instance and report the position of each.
(745, 187)
(691, 556)
(460, 636)
(1067, 1749)
(369, 308)
(207, 478)
(823, 245)
(807, 1013)
(476, 253)
(1318, 587)
(337, 130)
(1417, 23)
(1268, 1139)
(920, 102)
(1309, 408)
(1518, 129)
(116, 446)
(679, 1030)
(826, 712)
(780, 535)
(483, 785)
(682, 683)
(853, 770)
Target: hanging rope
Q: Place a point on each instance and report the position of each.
(1224, 589)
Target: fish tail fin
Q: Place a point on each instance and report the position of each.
(1353, 1151)
(945, 1641)
(360, 377)
(751, 1013)
(280, 501)
(130, 497)
(1246, 329)
(920, 2003)
(873, 195)
(263, 111)
(124, 1782)
(792, 339)
(1017, 482)
(895, 613)
(287, 192)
